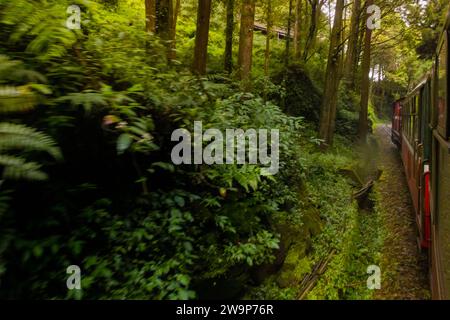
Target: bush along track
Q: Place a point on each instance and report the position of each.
(343, 238)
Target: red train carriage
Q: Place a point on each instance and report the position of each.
(415, 157)
(440, 174)
(421, 129)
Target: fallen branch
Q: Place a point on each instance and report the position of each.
(365, 190)
(310, 280)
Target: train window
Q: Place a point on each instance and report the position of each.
(406, 119)
(442, 88)
(416, 117)
(403, 118)
(411, 119)
(405, 104)
(433, 96)
(410, 124)
(421, 112)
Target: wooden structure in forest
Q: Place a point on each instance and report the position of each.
(281, 33)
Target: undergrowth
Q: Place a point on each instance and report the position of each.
(351, 235)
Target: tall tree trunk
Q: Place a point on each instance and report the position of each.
(288, 39)
(228, 56)
(150, 15)
(330, 21)
(269, 23)
(316, 7)
(176, 12)
(164, 16)
(287, 55)
(297, 28)
(359, 50)
(382, 90)
(201, 36)
(352, 51)
(363, 126)
(173, 30)
(164, 23)
(329, 103)
(246, 41)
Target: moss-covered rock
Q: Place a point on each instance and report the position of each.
(295, 267)
(295, 245)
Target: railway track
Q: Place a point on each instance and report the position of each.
(386, 128)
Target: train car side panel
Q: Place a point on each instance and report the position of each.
(440, 253)
(409, 117)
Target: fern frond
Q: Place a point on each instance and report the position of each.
(13, 70)
(18, 169)
(44, 23)
(16, 99)
(16, 136)
(7, 66)
(218, 78)
(87, 99)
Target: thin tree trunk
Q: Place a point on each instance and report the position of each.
(363, 126)
(176, 12)
(329, 19)
(287, 56)
(316, 6)
(150, 16)
(288, 39)
(228, 56)
(352, 51)
(246, 41)
(372, 75)
(164, 23)
(201, 36)
(359, 50)
(164, 16)
(329, 103)
(297, 28)
(340, 61)
(269, 23)
(173, 36)
(382, 91)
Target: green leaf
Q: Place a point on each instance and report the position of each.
(41, 88)
(164, 165)
(179, 201)
(124, 142)
(37, 251)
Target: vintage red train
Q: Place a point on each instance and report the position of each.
(421, 130)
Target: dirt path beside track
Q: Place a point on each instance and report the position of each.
(403, 269)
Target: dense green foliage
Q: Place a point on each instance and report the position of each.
(137, 225)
